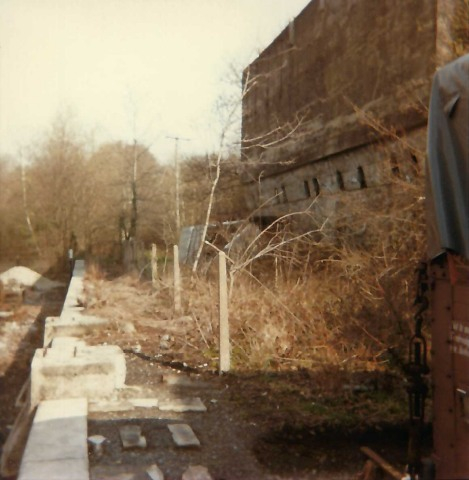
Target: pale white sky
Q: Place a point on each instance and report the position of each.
(127, 68)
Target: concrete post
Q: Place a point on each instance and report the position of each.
(177, 280)
(225, 357)
(154, 266)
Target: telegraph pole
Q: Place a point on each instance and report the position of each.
(176, 167)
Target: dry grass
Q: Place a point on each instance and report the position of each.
(340, 296)
(345, 306)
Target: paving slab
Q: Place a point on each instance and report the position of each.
(131, 436)
(69, 469)
(144, 402)
(183, 435)
(154, 473)
(57, 443)
(110, 406)
(180, 405)
(197, 472)
(71, 324)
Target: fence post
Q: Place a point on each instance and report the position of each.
(154, 265)
(225, 357)
(177, 280)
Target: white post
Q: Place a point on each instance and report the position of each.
(177, 281)
(154, 266)
(225, 357)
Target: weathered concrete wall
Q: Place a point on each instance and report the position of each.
(344, 78)
(319, 187)
(336, 57)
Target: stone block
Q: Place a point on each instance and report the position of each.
(69, 469)
(131, 436)
(155, 473)
(183, 435)
(196, 472)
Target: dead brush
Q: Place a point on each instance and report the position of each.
(343, 297)
(339, 296)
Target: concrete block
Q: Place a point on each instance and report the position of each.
(67, 342)
(110, 406)
(131, 437)
(69, 469)
(185, 381)
(91, 372)
(71, 324)
(155, 473)
(196, 472)
(57, 445)
(181, 405)
(183, 435)
(144, 402)
(106, 353)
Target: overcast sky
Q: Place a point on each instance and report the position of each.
(127, 68)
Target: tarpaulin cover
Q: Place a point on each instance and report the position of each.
(448, 161)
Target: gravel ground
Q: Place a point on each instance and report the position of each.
(233, 445)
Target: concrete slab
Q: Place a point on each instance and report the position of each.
(144, 402)
(196, 472)
(183, 435)
(180, 405)
(110, 406)
(131, 437)
(57, 443)
(154, 473)
(69, 469)
(117, 472)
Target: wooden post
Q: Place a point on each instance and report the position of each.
(154, 265)
(177, 281)
(225, 357)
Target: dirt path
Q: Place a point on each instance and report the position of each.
(232, 444)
